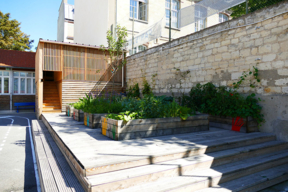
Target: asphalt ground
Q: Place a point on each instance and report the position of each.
(16, 161)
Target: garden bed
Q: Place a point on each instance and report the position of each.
(93, 120)
(143, 128)
(69, 111)
(249, 124)
(78, 115)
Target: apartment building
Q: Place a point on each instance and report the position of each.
(65, 27)
(92, 19)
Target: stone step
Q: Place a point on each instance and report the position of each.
(108, 163)
(52, 111)
(193, 180)
(254, 182)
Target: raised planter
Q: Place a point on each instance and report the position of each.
(78, 115)
(93, 120)
(69, 110)
(143, 128)
(249, 124)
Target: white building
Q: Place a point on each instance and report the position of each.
(65, 28)
(94, 17)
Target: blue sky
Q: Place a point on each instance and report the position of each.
(38, 17)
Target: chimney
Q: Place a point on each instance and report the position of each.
(65, 1)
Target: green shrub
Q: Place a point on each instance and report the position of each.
(223, 101)
(134, 91)
(147, 89)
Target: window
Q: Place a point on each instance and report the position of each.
(200, 17)
(137, 49)
(174, 13)
(223, 17)
(4, 82)
(140, 9)
(24, 83)
(200, 24)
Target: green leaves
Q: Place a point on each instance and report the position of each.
(224, 102)
(11, 37)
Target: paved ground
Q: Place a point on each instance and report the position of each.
(16, 162)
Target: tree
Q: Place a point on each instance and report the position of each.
(11, 37)
(116, 50)
(253, 5)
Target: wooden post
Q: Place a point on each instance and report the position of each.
(85, 64)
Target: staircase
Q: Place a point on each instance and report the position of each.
(249, 162)
(51, 101)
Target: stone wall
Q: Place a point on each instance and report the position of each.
(220, 54)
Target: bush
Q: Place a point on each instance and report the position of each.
(147, 89)
(223, 101)
(134, 91)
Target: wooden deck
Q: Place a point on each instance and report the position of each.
(92, 155)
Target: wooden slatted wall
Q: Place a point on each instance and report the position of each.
(52, 57)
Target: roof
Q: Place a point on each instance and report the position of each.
(17, 59)
(71, 44)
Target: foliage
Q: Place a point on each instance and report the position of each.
(99, 105)
(147, 89)
(115, 50)
(222, 101)
(11, 37)
(245, 75)
(151, 107)
(125, 116)
(134, 91)
(253, 5)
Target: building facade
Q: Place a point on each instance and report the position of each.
(17, 78)
(65, 27)
(92, 19)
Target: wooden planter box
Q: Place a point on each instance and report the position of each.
(93, 120)
(143, 128)
(78, 115)
(249, 124)
(69, 111)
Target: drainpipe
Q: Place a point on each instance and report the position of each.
(115, 36)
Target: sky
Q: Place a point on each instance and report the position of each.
(38, 18)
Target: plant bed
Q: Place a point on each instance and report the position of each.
(78, 115)
(69, 110)
(143, 128)
(244, 125)
(93, 120)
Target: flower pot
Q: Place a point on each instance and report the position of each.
(69, 111)
(78, 115)
(143, 128)
(244, 125)
(93, 120)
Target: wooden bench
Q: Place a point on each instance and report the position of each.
(31, 104)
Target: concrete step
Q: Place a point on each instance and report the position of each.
(189, 148)
(192, 180)
(254, 182)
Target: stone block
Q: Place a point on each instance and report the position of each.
(284, 46)
(282, 72)
(249, 44)
(284, 89)
(269, 57)
(245, 52)
(264, 66)
(265, 49)
(235, 76)
(226, 56)
(223, 49)
(278, 64)
(259, 42)
(281, 82)
(254, 51)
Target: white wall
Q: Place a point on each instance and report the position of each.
(60, 26)
(91, 22)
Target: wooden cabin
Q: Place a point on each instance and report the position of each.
(66, 71)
